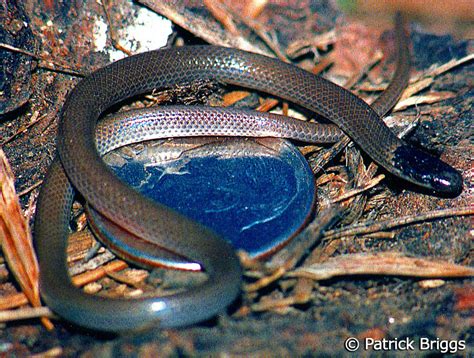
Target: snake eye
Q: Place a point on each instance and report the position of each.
(423, 169)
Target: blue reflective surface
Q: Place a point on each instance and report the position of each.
(255, 193)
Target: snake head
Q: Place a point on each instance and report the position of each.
(427, 171)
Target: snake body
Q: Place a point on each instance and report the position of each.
(106, 194)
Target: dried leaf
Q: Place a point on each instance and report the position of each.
(15, 238)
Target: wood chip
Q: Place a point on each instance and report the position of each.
(431, 283)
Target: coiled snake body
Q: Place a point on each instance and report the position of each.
(79, 163)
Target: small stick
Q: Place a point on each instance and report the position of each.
(13, 301)
(35, 118)
(30, 188)
(102, 271)
(371, 226)
(25, 313)
(113, 36)
(267, 105)
(57, 67)
(373, 182)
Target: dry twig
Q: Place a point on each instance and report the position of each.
(372, 226)
(370, 184)
(26, 313)
(387, 263)
(35, 118)
(46, 63)
(113, 35)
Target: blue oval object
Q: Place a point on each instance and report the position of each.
(256, 193)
